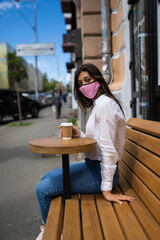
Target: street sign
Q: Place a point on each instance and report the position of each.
(35, 49)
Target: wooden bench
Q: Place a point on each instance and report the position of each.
(91, 217)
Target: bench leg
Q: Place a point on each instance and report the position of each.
(66, 176)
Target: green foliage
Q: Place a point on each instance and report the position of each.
(48, 86)
(19, 124)
(16, 69)
(68, 88)
(73, 120)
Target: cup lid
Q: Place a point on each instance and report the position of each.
(66, 124)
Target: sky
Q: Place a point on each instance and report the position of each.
(16, 27)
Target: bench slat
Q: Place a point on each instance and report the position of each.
(90, 220)
(130, 225)
(146, 141)
(148, 222)
(53, 226)
(109, 221)
(72, 225)
(149, 159)
(151, 127)
(148, 177)
(143, 192)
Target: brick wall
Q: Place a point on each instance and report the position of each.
(91, 32)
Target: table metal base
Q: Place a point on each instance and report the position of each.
(66, 176)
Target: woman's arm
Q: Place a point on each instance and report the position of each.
(108, 127)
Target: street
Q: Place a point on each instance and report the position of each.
(20, 172)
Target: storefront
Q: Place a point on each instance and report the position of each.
(145, 58)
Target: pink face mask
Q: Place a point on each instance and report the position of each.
(90, 90)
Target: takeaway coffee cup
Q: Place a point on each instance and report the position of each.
(67, 130)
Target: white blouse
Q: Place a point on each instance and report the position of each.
(107, 125)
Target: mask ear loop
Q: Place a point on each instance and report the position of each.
(101, 89)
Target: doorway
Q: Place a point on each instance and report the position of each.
(144, 60)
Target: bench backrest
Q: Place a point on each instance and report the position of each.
(140, 164)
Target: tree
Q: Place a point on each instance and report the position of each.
(16, 69)
(16, 72)
(48, 86)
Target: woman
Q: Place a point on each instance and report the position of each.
(99, 172)
(58, 103)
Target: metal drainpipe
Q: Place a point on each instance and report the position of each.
(106, 39)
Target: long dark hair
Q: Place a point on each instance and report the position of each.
(94, 73)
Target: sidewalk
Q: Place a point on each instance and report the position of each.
(20, 172)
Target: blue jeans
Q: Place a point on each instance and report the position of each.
(85, 177)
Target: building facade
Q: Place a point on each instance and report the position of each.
(121, 38)
(26, 85)
(4, 48)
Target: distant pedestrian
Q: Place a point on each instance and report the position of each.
(58, 103)
(64, 97)
(70, 99)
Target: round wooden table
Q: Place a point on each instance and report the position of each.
(64, 147)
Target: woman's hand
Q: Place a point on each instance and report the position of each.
(75, 132)
(118, 198)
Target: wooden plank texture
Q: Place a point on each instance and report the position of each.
(143, 192)
(152, 228)
(149, 159)
(72, 225)
(110, 225)
(129, 223)
(61, 146)
(151, 127)
(146, 141)
(53, 226)
(146, 175)
(90, 220)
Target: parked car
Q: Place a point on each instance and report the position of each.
(45, 99)
(49, 99)
(9, 105)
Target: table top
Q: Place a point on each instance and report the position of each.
(60, 146)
